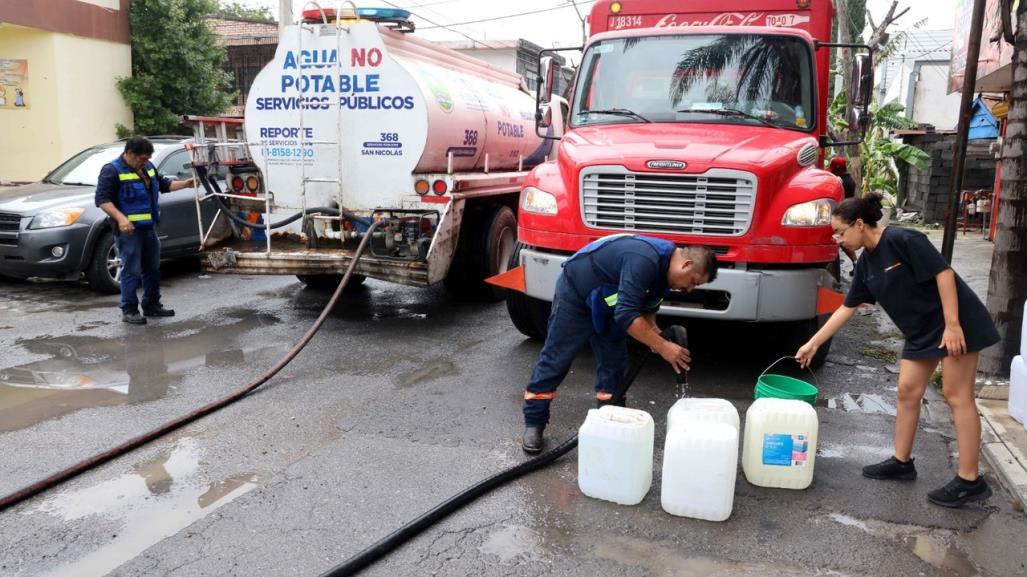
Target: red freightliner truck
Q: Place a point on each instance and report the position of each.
(701, 122)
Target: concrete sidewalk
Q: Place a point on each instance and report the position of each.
(1004, 441)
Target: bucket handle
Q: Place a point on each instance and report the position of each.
(815, 379)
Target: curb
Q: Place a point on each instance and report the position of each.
(1007, 459)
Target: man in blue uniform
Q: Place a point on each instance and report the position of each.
(128, 190)
(608, 290)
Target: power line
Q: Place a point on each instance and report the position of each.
(437, 25)
(494, 18)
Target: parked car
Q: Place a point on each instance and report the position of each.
(52, 229)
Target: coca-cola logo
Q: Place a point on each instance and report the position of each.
(724, 19)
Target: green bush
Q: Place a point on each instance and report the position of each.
(176, 66)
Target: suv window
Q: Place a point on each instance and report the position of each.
(177, 165)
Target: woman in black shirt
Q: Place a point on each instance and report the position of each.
(941, 319)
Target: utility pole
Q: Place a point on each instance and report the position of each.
(973, 51)
(284, 14)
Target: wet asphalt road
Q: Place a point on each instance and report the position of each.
(403, 399)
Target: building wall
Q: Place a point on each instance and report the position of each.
(72, 99)
(927, 191)
(31, 137)
(930, 103)
(90, 105)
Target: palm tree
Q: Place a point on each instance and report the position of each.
(761, 61)
(1007, 286)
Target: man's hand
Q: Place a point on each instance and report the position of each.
(676, 355)
(125, 226)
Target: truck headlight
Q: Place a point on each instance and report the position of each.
(537, 201)
(56, 217)
(812, 213)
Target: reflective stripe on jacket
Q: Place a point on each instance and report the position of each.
(137, 203)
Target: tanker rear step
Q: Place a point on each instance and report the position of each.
(290, 256)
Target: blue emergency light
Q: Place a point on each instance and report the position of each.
(375, 14)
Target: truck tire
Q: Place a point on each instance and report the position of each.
(486, 242)
(331, 281)
(529, 315)
(104, 268)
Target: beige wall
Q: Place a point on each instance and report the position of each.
(90, 104)
(72, 99)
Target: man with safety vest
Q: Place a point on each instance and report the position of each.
(609, 290)
(128, 190)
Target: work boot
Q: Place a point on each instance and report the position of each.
(133, 318)
(615, 401)
(159, 311)
(532, 441)
(891, 468)
(959, 491)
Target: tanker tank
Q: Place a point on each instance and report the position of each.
(363, 110)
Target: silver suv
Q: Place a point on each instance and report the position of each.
(52, 229)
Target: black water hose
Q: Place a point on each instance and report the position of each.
(210, 185)
(358, 562)
(136, 442)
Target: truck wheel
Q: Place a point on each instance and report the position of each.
(486, 242)
(331, 281)
(104, 270)
(530, 315)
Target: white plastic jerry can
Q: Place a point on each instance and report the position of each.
(700, 464)
(1023, 333)
(1018, 390)
(780, 443)
(709, 410)
(615, 454)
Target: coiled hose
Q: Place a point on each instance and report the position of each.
(136, 442)
(358, 562)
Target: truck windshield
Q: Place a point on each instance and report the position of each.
(725, 78)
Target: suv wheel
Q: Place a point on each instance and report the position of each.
(104, 271)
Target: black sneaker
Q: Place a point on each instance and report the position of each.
(532, 441)
(133, 318)
(959, 491)
(159, 311)
(892, 468)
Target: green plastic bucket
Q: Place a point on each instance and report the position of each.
(782, 387)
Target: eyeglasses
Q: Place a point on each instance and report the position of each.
(839, 234)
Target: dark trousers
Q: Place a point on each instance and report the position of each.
(570, 327)
(140, 264)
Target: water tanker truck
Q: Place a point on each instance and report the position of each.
(357, 120)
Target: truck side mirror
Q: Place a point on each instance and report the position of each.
(546, 77)
(548, 119)
(859, 120)
(544, 116)
(861, 80)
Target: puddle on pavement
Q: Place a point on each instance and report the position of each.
(512, 543)
(666, 561)
(85, 371)
(933, 547)
(427, 372)
(160, 498)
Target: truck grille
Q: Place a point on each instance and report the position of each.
(718, 203)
